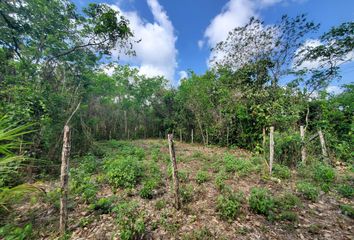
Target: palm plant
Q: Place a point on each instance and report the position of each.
(10, 142)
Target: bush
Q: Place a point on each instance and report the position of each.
(10, 232)
(124, 172)
(347, 210)
(148, 188)
(346, 190)
(186, 193)
(308, 190)
(201, 177)
(220, 180)
(261, 201)
(281, 171)
(229, 204)
(200, 234)
(160, 204)
(102, 205)
(130, 221)
(155, 154)
(233, 164)
(287, 147)
(324, 173)
(288, 201)
(183, 175)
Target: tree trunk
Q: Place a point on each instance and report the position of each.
(271, 149)
(180, 135)
(64, 178)
(174, 171)
(303, 148)
(264, 140)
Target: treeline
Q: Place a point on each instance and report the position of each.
(52, 60)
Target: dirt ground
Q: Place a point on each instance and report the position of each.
(316, 220)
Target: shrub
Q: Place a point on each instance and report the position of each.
(183, 175)
(186, 193)
(199, 234)
(261, 201)
(155, 154)
(347, 210)
(102, 205)
(288, 201)
(346, 190)
(324, 173)
(10, 232)
(229, 204)
(148, 188)
(160, 204)
(130, 221)
(201, 177)
(281, 171)
(124, 172)
(308, 190)
(288, 216)
(233, 164)
(220, 180)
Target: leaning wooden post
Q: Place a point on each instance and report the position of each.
(323, 144)
(271, 149)
(192, 137)
(303, 148)
(64, 178)
(174, 170)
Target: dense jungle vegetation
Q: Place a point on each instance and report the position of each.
(52, 61)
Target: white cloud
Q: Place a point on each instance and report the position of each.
(182, 74)
(156, 53)
(200, 44)
(334, 90)
(315, 64)
(235, 13)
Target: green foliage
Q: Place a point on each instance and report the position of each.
(346, 190)
(183, 175)
(103, 205)
(324, 173)
(130, 220)
(220, 180)
(347, 210)
(186, 193)
(124, 172)
(261, 201)
(288, 147)
(10, 232)
(281, 171)
(201, 177)
(308, 190)
(199, 234)
(239, 165)
(160, 204)
(229, 205)
(147, 190)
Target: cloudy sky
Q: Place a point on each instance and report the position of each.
(177, 35)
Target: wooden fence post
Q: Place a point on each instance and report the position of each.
(303, 148)
(271, 149)
(192, 137)
(180, 135)
(126, 125)
(174, 171)
(264, 141)
(64, 178)
(207, 137)
(323, 144)
(227, 136)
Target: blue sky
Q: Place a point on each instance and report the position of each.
(177, 34)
